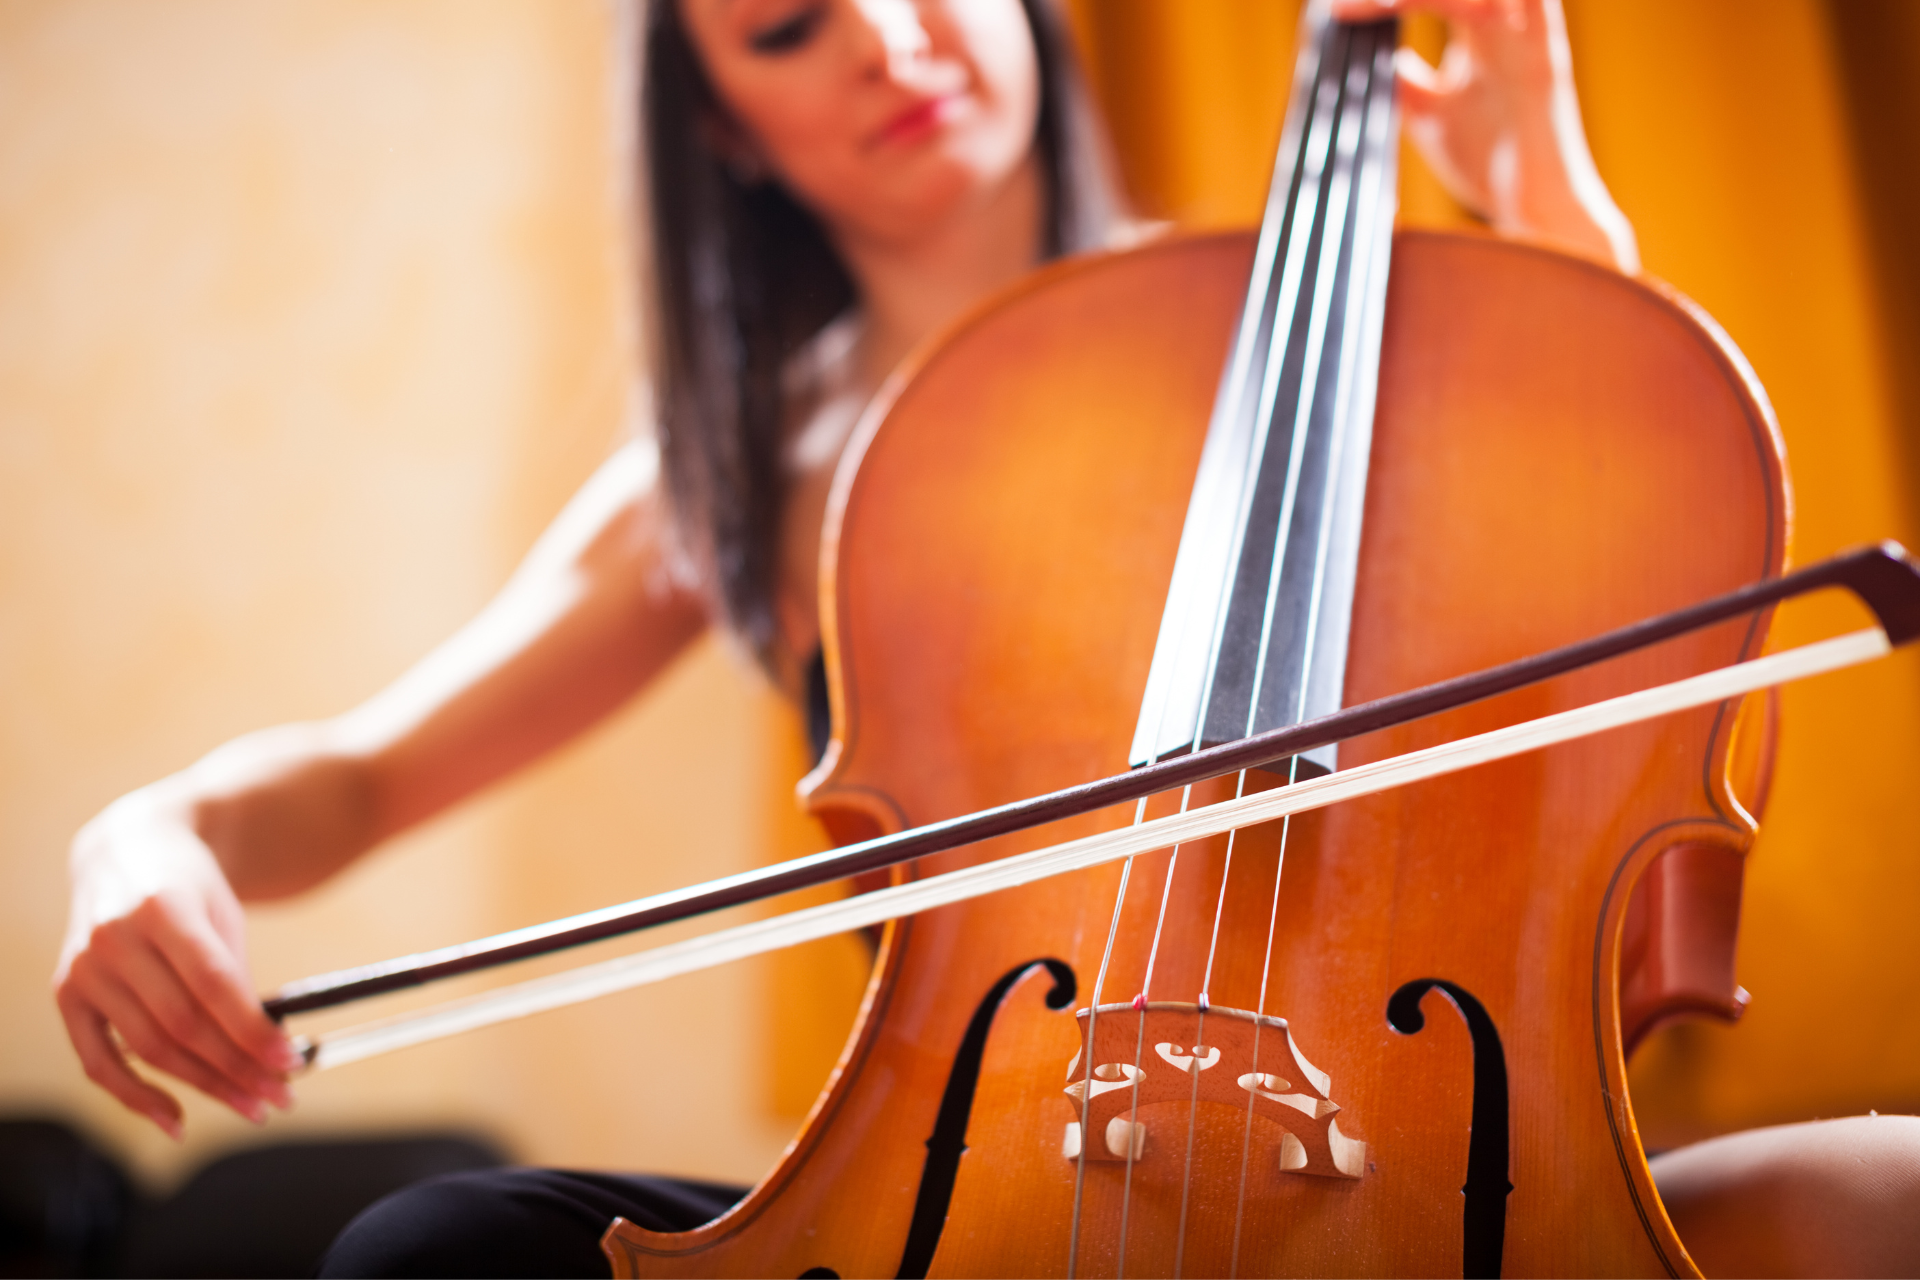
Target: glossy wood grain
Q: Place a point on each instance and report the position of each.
(1558, 450)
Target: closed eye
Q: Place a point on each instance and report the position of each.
(789, 33)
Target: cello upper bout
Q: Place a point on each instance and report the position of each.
(1069, 346)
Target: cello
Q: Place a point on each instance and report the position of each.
(1370, 883)
(1385, 1038)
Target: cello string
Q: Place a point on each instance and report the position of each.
(1093, 1009)
(1331, 234)
(1328, 236)
(1204, 1002)
(1133, 1121)
(1319, 165)
(1113, 926)
(1221, 599)
(1200, 1032)
(1140, 1033)
(1302, 198)
(1266, 969)
(1373, 117)
(1093, 1013)
(1288, 281)
(1368, 136)
(1234, 410)
(1306, 206)
(1159, 924)
(1243, 374)
(1334, 215)
(1220, 904)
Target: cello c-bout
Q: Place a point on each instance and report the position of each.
(1558, 449)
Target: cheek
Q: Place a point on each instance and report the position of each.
(802, 129)
(795, 118)
(816, 154)
(998, 42)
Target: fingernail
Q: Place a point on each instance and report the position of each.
(279, 1095)
(169, 1126)
(250, 1108)
(286, 1057)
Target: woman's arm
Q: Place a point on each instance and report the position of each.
(154, 958)
(1499, 123)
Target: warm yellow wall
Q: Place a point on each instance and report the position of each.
(311, 314)
(1722, 127)
(1193, 94)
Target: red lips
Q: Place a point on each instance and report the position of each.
(919, 120)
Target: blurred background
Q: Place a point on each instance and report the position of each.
(313, 313)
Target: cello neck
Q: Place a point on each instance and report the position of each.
(1254, 634)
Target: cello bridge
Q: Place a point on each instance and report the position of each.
(1169, 1053)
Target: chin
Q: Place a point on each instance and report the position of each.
(958, 178)
(924, 190)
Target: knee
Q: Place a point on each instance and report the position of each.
(475, 1223)
(1836, 1197)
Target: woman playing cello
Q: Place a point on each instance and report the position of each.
(831, 182)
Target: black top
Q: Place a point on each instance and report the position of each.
(819, 710)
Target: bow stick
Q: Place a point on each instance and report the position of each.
(1885, 579)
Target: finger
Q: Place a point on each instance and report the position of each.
(183, 1021)
(124, 976)
(1450, 10)
(1419, 83)
(158, 1049)
(124, 1012)
(208, 968)
(107, 1067)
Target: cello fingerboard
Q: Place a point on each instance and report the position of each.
(1254, 635)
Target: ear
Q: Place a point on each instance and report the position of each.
(736, 150)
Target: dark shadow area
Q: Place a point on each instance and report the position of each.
(63, 1205)
(67, 1208)
(1876, 42)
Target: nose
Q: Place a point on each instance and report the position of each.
(891, 36)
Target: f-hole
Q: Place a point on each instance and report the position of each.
(1484, 1233)
(949, 1139)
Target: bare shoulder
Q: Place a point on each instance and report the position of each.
(618, 530)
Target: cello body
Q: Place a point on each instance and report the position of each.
(1558, 450)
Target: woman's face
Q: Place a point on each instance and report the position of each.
(886, 117)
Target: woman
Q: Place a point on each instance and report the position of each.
(832, 180)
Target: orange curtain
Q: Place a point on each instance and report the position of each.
(1755, 145)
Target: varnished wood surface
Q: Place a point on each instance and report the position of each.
(1558, 450)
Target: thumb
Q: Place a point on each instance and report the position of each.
(1422, 105)
(1419, 85)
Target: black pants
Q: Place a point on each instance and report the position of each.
(515, 1222)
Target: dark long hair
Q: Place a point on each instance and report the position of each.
(743, 274)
